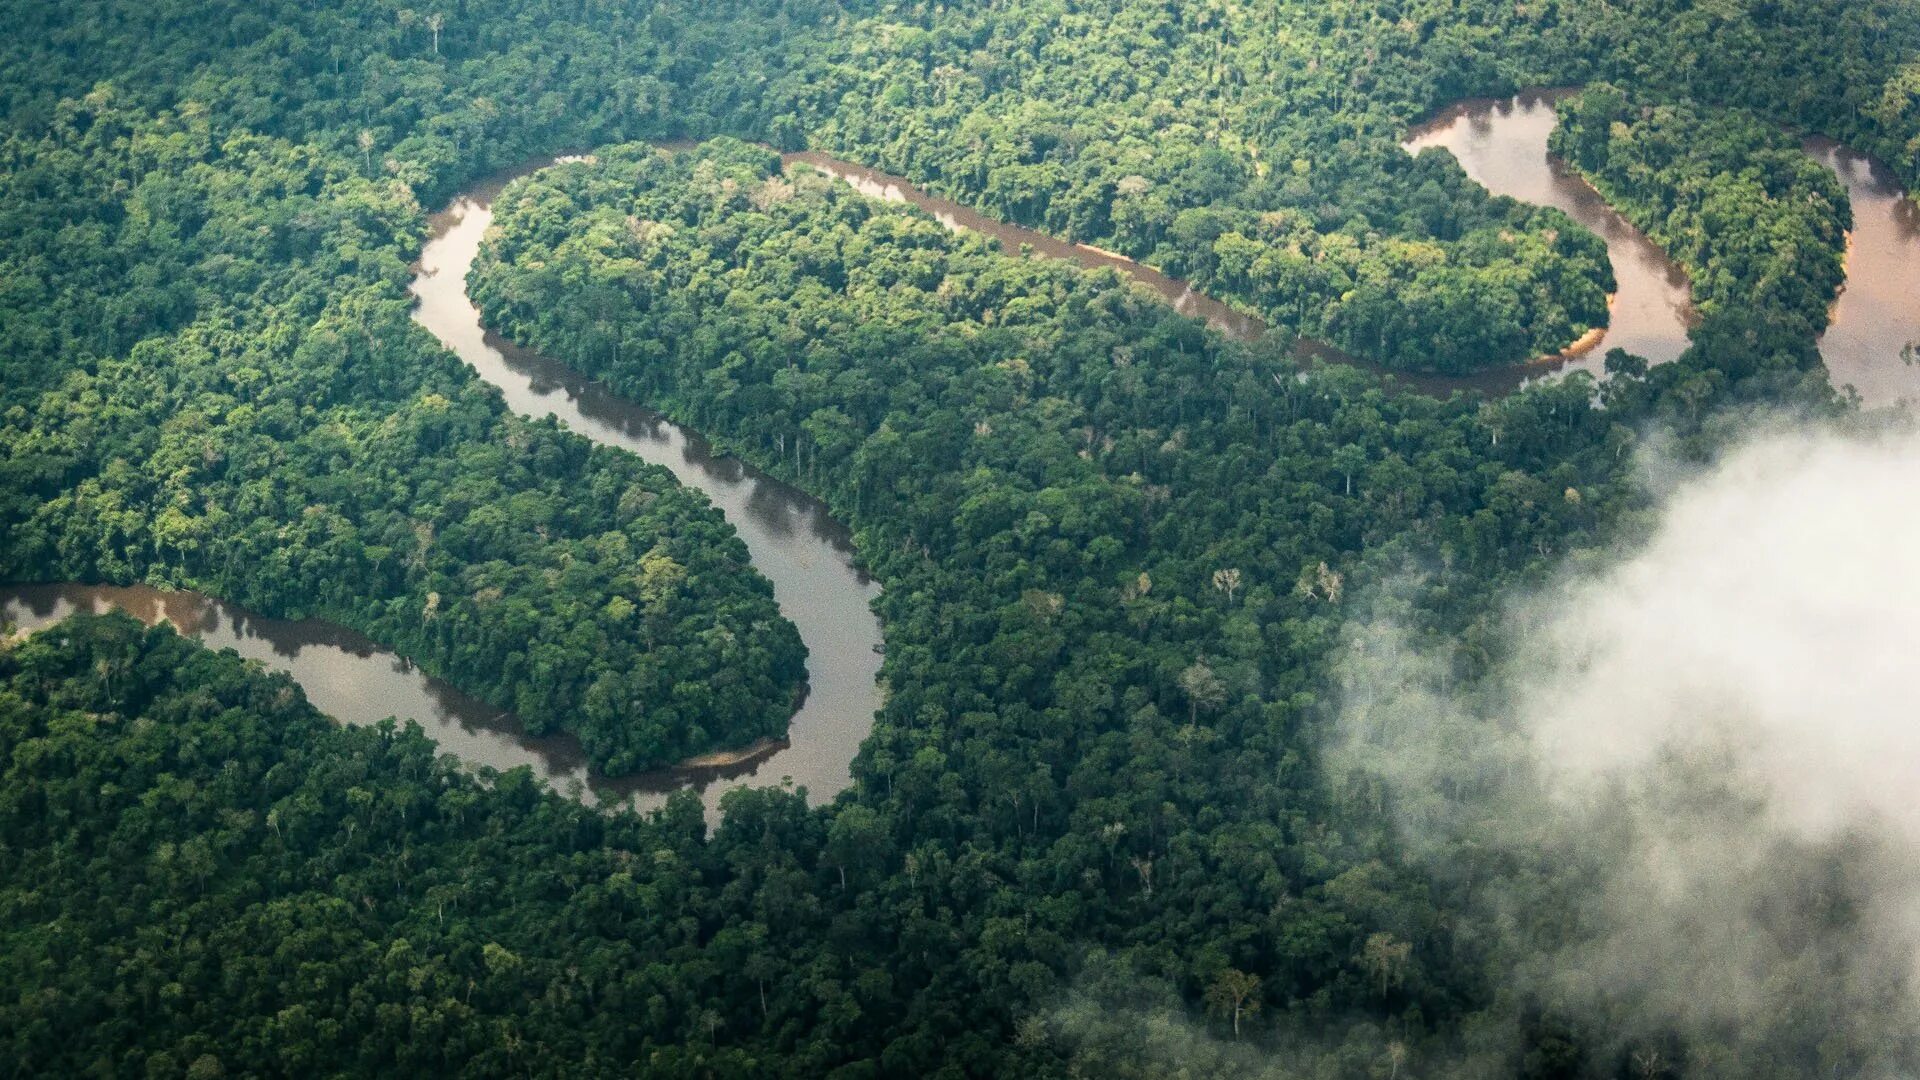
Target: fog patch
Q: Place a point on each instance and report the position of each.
(1686, 803)
(1115, 1023)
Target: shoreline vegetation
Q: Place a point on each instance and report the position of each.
(1128, 565)
(278, 644)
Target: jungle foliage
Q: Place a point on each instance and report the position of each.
(1119, 553)
(1757, 223)
(213, 383)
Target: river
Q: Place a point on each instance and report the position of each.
(1012, 238)
(808, 556)
(1630, 311)
(345, 675)
(1502, 144)
(1878, 311)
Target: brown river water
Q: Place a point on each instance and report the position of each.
(805, 554)
(1502, 144)
(808, 556)
(1878, 312)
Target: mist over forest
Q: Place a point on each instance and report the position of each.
(1053, 538)
(1698, 748)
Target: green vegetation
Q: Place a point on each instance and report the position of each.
(1248, 147)
(212, 383)
(203, 877)
(1118, 551)
(1252, 149)
(1757, 223)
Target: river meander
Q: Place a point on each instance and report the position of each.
(806, 554)
(1502, 144)
(809, 557)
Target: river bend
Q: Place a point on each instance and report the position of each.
(1501, 143)
(789, 536)
(808, 556)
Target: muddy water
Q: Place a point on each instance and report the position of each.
(344, 674)
(789, 536)
(805, 554)
(1878, 312)
(1013, 238)
(1502, 144)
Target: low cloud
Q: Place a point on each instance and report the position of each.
(1686, 802)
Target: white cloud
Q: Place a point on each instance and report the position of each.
(1696, 771)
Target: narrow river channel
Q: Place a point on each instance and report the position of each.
(1502, 144)
(1878, 313)
(808, 556)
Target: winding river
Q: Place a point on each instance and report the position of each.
(1502, 144)
(805, 553)
(1012, 238)
(345, 675)
(808, 556)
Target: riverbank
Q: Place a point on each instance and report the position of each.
(1501, 143)
(791, 538)
(357, 681)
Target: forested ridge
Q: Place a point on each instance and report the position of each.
(1119, 552)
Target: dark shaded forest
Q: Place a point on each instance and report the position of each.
(1118, 551)
(213, 384)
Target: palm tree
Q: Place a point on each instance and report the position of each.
(1386, 957)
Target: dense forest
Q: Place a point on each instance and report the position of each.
(1039, 437)
(268, 893)
(252, 414)
(1756, 222)
(1121, 555)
